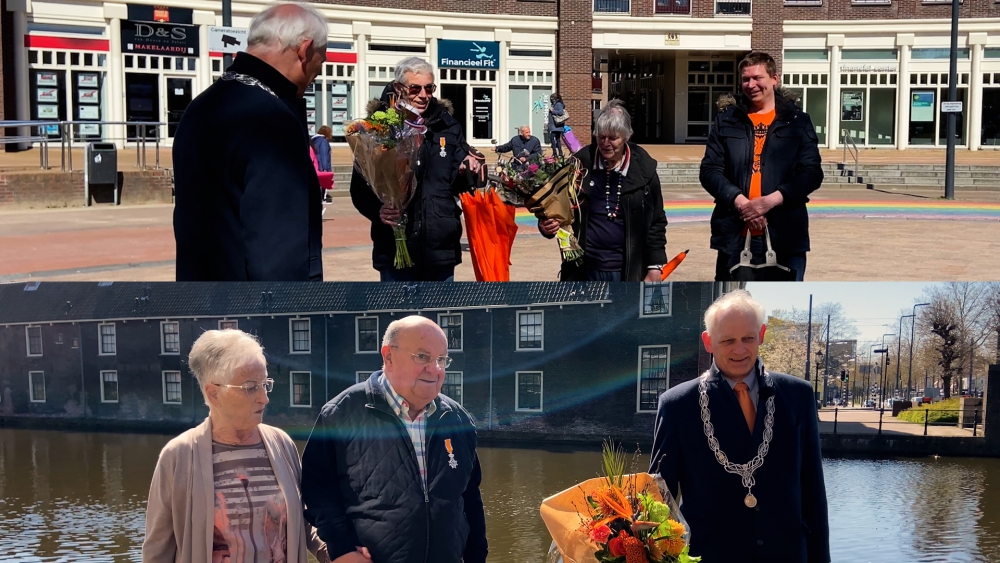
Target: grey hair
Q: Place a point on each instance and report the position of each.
(614, 120)
(287, 25)
(414, 65)
(528, 127)
(217, 354)
(392, 332)
(739, 300)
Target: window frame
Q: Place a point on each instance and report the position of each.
(517, 391)
(461, 386)
(638, 376)
(357, 335)
(27, 341)
(100, 339)
(291, 389)
(237, 327)
(180, 386)
(461, 328)
(31, 387)
(642, 300)
(517, 335)
(163, 339)
(104, 399)
(291, 335)
(357, 374)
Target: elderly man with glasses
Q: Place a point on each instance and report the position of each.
(205, 478)
(390, 472)
(432, 218)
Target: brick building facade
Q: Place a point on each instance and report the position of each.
(107, 354)
(668, 59)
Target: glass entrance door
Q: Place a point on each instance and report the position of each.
(178, 98)
(142, 103)
(482, 113)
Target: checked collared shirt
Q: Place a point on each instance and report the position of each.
(416, 428)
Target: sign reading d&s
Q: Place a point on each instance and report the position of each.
(468, 54)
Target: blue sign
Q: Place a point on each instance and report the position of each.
(468, 54)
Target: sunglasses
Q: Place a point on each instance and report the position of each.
(415, 89)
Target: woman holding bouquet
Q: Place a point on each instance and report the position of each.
(431, 219)
(621, 226)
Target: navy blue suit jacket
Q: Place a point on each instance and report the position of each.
(789, 523)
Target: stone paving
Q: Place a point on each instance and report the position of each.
(136, 243)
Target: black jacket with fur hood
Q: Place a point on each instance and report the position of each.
(790, 163)
(433, 225)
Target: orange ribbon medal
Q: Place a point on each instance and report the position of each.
(443, 152)
(452, 462)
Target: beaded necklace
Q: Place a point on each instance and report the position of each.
(612, 215)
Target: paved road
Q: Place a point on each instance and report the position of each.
(136, 243)
(865, 421)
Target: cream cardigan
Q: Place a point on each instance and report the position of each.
(181, 507)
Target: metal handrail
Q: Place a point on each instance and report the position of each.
(848, 141)
(66, 139)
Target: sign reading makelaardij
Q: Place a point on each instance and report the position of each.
(468, 54)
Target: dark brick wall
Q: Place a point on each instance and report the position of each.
(766, 34)
(574, 59)
(65, 189)
(898, 10)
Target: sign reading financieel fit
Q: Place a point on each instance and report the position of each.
(468, 54)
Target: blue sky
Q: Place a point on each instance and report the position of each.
(870, 304)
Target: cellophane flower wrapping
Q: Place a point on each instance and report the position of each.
(619, 518)
(547, 186)
(385, 151)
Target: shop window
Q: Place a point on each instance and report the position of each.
(869, 54)
(74, 59)
(154, 63)
(33, 57)
(991, 53)
(216, 65)
(88, 59)
(46, 57)
(192, 64)
(990, 131)
(129, 61)
(141, 62)
(935, 53)
(102, 60)
(60, 58)
(806, 54)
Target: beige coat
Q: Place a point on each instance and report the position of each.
(181, 508)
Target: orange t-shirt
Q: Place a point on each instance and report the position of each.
(761, 123)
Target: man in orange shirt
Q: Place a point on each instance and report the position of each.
(761, 163)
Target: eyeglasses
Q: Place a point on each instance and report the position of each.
(423, 359)
(414, 89)
(251, 387)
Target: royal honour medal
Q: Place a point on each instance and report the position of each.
(452, 462)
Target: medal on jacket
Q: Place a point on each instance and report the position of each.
(452, 462)
(443, 153)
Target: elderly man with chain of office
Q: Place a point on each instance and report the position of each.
(390, 473)
(741, 446)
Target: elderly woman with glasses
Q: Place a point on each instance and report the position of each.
(432, 219)
(621, 226)
(228, 490)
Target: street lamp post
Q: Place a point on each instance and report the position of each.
(227, 21)
(899, 344)
(909, 369)
(949, 170)
(819, 362)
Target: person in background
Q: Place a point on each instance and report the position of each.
(556, 128)
(523, 145)
(321, 144)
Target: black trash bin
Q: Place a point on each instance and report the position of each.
(102, 172)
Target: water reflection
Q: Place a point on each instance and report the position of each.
(82, 496)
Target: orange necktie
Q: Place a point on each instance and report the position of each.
(743, 396)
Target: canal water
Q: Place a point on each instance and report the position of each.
(78, 496)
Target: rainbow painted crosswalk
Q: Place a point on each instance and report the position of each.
(701, 211)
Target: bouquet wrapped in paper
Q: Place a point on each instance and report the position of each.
(618, 518)
(385, 149)
(548, 187)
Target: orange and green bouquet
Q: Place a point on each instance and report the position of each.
(385, 148)
(618, 518)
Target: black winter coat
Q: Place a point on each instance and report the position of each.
(790, 164)
(248, 204)
(361, 483)
(642, 208)
(790, 522)
(433, 224)
(521, 148)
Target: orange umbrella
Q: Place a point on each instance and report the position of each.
(672, 265)
(491, 228)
